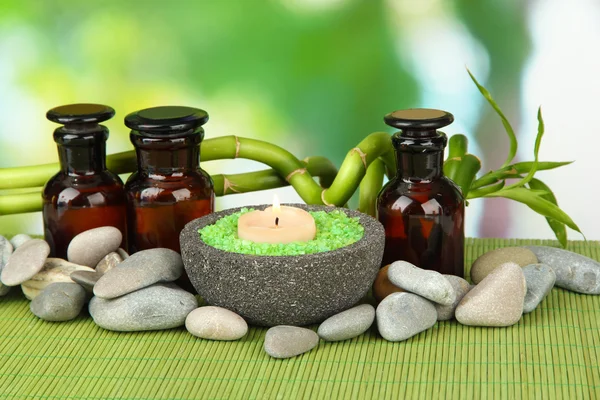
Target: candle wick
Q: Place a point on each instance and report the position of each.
(276, 221)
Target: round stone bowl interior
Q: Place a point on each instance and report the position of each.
(283, 290)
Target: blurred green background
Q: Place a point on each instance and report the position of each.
(314, 76)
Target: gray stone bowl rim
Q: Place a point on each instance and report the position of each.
(210, 219)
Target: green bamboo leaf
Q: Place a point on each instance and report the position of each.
(473, 194)
(507, 127)
(535, 201)
(515, 170)
(487, 180)
(536, 150)
(525, 167)
(559, 229)
(457, 146)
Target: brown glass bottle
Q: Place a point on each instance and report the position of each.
(169, 188)
(422, 210)
(84, 194)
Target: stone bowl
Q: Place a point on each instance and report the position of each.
(283, 290)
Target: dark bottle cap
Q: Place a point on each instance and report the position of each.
(166, 120)
(80, 114)
(418, 122)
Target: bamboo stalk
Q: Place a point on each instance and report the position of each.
(343, 186)
(20, 203)
(224, 185)
(243, 183)
(457, 146)
(354, 167)
(331, 191)
(24, 200)
(467, 170)
(369, 188)
(451, 167)
(323, 168)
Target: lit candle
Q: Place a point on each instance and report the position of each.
(277, 224)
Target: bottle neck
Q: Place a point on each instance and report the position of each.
(165, 156)
(419, 167)
(82, 153)
(419, 158)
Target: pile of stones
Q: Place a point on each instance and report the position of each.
(138, 292)
(124, 293)
(508, 282)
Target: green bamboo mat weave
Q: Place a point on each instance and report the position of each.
(551, 353)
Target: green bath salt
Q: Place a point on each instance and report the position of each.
(334, 230)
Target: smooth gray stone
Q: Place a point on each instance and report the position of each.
(403, 315)
(109, 261)
(6, 250)
(347, 324)
(140, 270)
(54, 270)
(89, 247)
(160, 306)
(497, 300)
(426, 283)
(284, 341)
(216, 323)
(4, 289)
(59, 301)
(461, 287)
(124, 255)
(487, 262)
(19, 239)
(25, 262)
(540, 280)
(87, 279)
(573, 271)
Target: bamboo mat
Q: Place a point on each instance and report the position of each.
(551, 353)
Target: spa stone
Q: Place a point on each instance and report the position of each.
(140, 270)
(6, 249)
(497, 300)
(89, 247)
(403, 315)
(25, 262)
(19, 239)
(540, 280)
(347, 324)
(216, 323)
(573, 271)
(160, 306)
(59, 302)
(289, 341)
(426, 283)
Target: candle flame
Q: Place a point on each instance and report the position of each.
(276, 205)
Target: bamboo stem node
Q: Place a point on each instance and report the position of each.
(323, 198)
(363, 156)
(237, 147)
(294, 172)
(228, 185)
